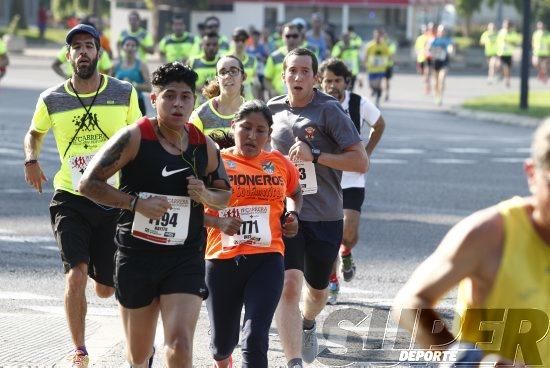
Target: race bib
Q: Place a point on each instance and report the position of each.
(171, 229)
(254, 231)
(440, 54)
(308, 178)
(78, 164)
(379, 61)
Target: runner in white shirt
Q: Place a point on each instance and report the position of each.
(367, 119)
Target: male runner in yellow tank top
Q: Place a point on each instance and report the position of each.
(500, 256)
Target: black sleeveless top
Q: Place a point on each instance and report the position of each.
(155, 170)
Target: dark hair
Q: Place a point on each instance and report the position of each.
(130, 38)
(174, 72)
(212, 89)
(303, 52)
(223, 138)
(253, 106)
(134, 12)
(336, 66)
(240, 32)
(214, 18)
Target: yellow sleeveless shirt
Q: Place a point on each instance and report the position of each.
(514, 319)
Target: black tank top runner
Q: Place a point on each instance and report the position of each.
(145, 174)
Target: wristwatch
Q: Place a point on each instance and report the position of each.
(316, 152)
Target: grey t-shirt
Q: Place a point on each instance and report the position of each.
(323, 124)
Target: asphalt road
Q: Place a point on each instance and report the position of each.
(430, 170)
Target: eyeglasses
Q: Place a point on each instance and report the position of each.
(239, 39)
(292, 35)
(232, 72)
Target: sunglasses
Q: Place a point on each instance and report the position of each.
(232, 72)
(293, 35)
(239, 39)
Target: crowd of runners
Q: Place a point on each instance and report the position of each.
(236, 201)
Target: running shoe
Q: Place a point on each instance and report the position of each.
(348, 268)
(310, 346)
(78, 359)
(333, 289)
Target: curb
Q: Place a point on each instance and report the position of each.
(496, 117)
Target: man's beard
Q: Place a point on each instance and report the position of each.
(337, 94)
(85, 72)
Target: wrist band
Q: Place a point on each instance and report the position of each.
(292, 212)
(30, 162)
(133, 204)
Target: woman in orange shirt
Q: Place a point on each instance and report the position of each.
(245, 249)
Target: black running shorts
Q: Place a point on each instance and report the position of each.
(353, 198)
(313, 250)
(85, 233)
(141, 275)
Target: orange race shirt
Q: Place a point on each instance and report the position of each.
(260, 186)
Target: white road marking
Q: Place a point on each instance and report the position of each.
(518, 150)
(350, 290)
(450, 161)
(402, 151)
(26, 238)
(22, 295)
(509, 160)
(387, 161)
(467, 150)
(428, 218)
(50, 247)
(24, 190)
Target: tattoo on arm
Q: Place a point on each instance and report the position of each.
(113, 154)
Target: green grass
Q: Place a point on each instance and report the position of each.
(55, 35)
(539, 104)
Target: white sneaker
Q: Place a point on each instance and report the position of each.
(333, 290)
(310, 347)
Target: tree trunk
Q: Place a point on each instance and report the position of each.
(467, 25)
(18, 7)
(94, 7)
(153, 6)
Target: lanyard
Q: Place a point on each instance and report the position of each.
(87, 109)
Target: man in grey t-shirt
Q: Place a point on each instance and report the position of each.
(313, 129)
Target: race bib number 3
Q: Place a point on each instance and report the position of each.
(308, 178)
(78, 164)
(171, 229)
(254, 231)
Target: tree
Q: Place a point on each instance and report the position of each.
(467, 8)
(18, 8)
(517, 3)
(542, 11)
(64, 8)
